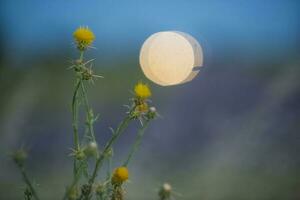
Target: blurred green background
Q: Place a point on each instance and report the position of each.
(231, 133)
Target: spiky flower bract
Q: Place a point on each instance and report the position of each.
(142, 90)
(142, 108)
(84, 37)
(120, 175)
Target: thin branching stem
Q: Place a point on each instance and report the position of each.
(75, 180)
(89, 111)
(75, 122)
(109, 165)
(75, 114)
(137, 143)
(122, 126)
(28, 182)
(75, 107)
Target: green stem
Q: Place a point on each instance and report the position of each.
(75, 122)
(75, 106)
(75, 180)
(109, 165)
(28, 183)
(75, 114)
(122, 126)
(137, 143)
(81, 55)
(89, 111)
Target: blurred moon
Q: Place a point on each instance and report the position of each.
(171, 58)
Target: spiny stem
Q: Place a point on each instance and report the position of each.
(75, 122)
(75, 106)
(115, 135)
(137, 143)
(75, 109)
(89, 111)
(75, 114)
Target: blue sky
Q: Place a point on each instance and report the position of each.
(268, 28)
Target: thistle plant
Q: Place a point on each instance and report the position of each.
(165, 192)
(86, 152)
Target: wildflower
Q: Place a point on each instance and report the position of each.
(142, 91)
(120, 175)
(84, 37)
(141, 110)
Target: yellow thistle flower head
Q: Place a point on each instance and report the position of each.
(84, 37)
(142, 90)
(120, 175)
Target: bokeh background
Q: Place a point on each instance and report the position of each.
(231, 133)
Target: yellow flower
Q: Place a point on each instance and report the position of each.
(120, 175)
(142, 90)
(84, 37)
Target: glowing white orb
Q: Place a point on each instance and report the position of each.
(171, 57)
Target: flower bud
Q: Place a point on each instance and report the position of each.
(20, 156)
(152, 109)
(152, 113)
(165, 191)
(91, 149)
(87, 74)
